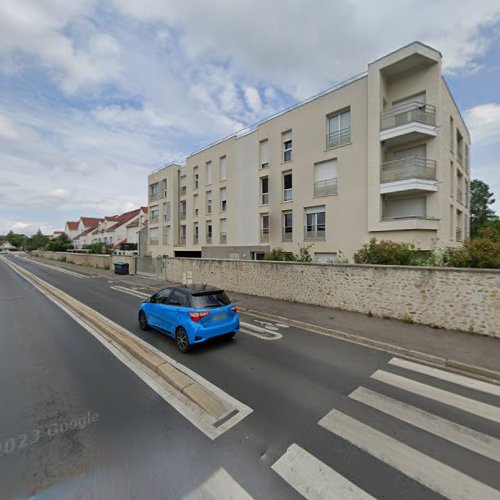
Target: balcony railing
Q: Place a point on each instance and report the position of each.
(312, 233)
(408, 112)
(154, 219)
(265, 198)
(223, 238)
(288, 194)
(264, 235)
(408, 168)
(460, 196)
(287, 234)
(338, 138)
(328, 187)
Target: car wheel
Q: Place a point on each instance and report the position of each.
(143, 321)
(182, 339)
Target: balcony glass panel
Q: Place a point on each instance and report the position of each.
(407, 113)
(338, 138)
(327, 187)
(408, 168)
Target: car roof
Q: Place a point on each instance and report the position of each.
(196, 289)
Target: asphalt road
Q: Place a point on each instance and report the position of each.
(52, 372)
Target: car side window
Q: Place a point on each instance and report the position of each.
(178, 299)
(162, 296)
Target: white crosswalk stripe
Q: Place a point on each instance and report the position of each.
(313, 479)
(433, 474)
(449, 398)
(463, 436)
(219, 486)
(455, 378)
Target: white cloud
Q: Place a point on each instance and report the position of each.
(484, 122)
(8, 129)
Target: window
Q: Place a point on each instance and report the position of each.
(459, 228)
(166, 235)
(467, 160)
(195, 205)
(164, 187)
(223, 168)
(209, 202)
(264, 190)
(264, 228)
(207, 300)
(182, 184)
(178, 299)
(182, 235)
(223, 230)
(264, 153)
(452, 134)
(154, 216)
(209, 231)
(325, 178)
(209, 172)
(162, 296)
(460, 194)
(460, 146)
(395, 207)
(452, 179)
(182, 209)
(196, 178)
(339, 129)
(223, 200)
(315, 223)
(452, 211)
(286, 139)
(287, 186)
(196, 233)
(153, 191)
(166, 211)
(466, 193)
(153, 236)
(287, 226)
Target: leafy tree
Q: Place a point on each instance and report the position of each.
(59, 244)
(480, 211)
(482, 251)
(37, 241)
(18, 240)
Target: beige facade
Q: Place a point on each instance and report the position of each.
(384, 155)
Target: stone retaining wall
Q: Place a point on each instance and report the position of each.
(82, 259)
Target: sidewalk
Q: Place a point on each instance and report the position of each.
(453, 345)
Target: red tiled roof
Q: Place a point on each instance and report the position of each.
(58, 232)
(124, 218)
(72, 225)
(87, 231)
(90, 221)
(144, 209)
(134, 223)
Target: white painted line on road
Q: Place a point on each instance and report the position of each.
(462, 436)
(313, 479)
(54, 268)
(135, 293)
(449, 398)
(426, 470)
(262, 336)
(219, 486)
(455, 378)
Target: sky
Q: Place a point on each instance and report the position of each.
(95, 94)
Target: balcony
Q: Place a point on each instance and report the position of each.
(338, 138)
(408, 174)
(287, 234)
(327, 187)
(407, 122)
(264, 235)
(312, 233)
(223, 238)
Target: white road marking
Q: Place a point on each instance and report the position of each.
(449, 398)
(262, 336)
(462, 436)
(455, 378)
(426, 470)
(313, 479)
(54, 268)
(282, 325)
(135, 293)
(219, 486)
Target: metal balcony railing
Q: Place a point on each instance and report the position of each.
(408, 168)
(264, 235)
(314, 233)
(264, 198)
(408, 112)
(338, 138)
(223, 238)
(287, 234)
(328, 187)
(288, 194)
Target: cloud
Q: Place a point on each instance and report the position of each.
(484, 122)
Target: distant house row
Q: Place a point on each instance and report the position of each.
(114, 230)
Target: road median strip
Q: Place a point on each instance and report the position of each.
(123, 340)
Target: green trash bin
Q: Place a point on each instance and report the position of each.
(121, 268)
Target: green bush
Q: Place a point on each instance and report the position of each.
(279, 254)
(481, 252)
(304, 254)
(386, 252)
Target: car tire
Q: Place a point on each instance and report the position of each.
(143, 321)
(182, 340)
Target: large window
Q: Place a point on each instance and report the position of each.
(154, 216)
(398, 207)
(154, 236)
(209, 231)
(287, 186)
(209, 202)
(182, 235)
(154, 191)
(264, 228)
(339, 129)
(166, 211)
(287, 229)
(196, 178)
(325, 178)
(164, 188)
(223, 200)
(286, 139)
(223, 168)
(196, 208)
(264, 190)
(182, 184)
(209, 172)
(264, 153)
(315, 227)
(223, 230)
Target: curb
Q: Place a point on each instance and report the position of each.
(441, 361)
(124, 341)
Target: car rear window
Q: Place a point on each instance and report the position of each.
(217, 299)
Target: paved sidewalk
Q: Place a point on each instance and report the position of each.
(454, 345)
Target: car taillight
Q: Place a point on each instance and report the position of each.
(196, 316)
(233, 308)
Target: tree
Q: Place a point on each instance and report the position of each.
(37, 241)
(59, 244)
(18, 240)
(480, 211)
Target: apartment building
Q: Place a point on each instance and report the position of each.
(385, 154)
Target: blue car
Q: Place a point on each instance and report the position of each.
(191, 314)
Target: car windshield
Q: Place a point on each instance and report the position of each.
(216, 299)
